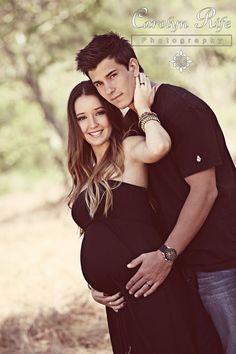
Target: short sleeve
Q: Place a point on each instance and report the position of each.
(195, 145)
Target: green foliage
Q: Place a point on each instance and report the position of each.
(25, 136)
(38, 43)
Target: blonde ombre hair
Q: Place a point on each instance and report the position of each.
(85, 171)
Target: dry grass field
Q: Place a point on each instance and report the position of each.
(45, 307)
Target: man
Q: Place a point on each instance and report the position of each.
(194, 187)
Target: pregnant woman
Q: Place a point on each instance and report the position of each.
(110, 203)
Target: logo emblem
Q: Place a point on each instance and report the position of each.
(198, 159)
(181, 61)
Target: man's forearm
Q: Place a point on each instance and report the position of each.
(192, 216)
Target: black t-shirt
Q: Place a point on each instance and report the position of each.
(197, 144)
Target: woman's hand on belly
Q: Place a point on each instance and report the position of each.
(115, 302)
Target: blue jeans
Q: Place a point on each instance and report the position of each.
(218, 294)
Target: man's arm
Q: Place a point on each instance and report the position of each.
(202, 195)
(154, 268)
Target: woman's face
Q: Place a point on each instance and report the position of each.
(93, 121)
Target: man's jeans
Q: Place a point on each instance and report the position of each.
(218, 294)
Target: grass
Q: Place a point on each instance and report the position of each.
(45, 304)
(80, 329)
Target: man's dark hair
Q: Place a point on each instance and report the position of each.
(108, 45)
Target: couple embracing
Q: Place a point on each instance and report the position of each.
(155, 194)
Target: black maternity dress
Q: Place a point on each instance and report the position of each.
(170, 321)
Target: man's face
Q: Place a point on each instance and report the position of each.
(114, 82)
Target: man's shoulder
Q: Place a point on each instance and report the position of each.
(170, 91)
(169, 96)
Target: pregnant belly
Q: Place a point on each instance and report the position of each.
(104, 259)
(107, 250)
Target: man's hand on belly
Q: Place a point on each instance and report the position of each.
(115, 302)
(151, 274)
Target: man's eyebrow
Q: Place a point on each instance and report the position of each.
(107, 75)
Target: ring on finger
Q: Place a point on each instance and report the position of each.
(149, 285)
(110, 303)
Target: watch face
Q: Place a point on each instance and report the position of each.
(170, 254)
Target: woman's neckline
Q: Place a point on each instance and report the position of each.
(121, 182)
(128, 183)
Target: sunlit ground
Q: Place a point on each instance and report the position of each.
(44, 301)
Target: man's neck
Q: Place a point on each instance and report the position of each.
(131, 106)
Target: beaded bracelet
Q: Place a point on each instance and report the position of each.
(146, 117)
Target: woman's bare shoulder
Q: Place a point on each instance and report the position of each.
(130, 145)
(130, 141)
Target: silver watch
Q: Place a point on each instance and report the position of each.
(169, 253)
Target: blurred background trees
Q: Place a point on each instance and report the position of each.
(38, 42)
(35, 38)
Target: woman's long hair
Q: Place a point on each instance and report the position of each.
(82, 164)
